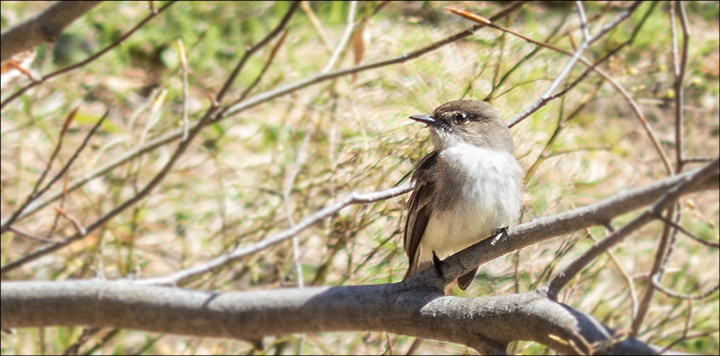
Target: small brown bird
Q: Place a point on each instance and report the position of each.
(467, 189)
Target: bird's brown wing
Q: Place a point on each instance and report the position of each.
(419, 211)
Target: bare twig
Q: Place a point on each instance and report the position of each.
(316, 23)
(40, 192)
(126, 157)
(287, 202)
(350, 199)
(209, 115)
(75, 223)
(591, 254)
(87, 60)
(265, 67)
(184, 66)
(628, 279)
(84, 337)
(32, 237)
(679, 71)
(522, 236)
(252, 49)
(344, 39)
(687, 233)
(523, 60)
(583, 21)
(662, 254)
(559, 127)
(658, 285)
(698, 159)
(64, 129)
(288, 211)
(56, 220)
(664, 350)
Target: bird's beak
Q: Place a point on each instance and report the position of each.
(425, 119)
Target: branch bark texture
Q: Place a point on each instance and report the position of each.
(487, 324)
(43, 27)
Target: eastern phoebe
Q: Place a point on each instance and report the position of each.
(466, 190)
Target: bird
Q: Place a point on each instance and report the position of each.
(467, 189)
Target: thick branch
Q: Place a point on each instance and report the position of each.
(43, 27)
(547, 227)
(487, 324)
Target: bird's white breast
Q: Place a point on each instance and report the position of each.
(490, 196)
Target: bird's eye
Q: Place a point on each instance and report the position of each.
(460, 118)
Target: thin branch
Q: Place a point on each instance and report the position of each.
(52, 182)
(679, 72)
(350, 199)
(75, 223)
(268, 62)
(53, 155)
(658, 285)
(210, 114)
(711, 333)
(184, 66)
(698, 159)
(583, 21)
(87, 60)
(84, 337)
(344, 39)
(32, 237)
(521, 236)
(524, 59)
(56, 220)
(668, 239)
(670, 197)
(316, 23)
(287, 202)
(663, 250)
(252, 49)
(288, 211)
(687, 233)
(628, 279)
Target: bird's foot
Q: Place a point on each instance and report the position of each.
(500, 234)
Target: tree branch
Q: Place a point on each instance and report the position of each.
(487, 324)
(547, 227)
(43, 27)
(672, 195)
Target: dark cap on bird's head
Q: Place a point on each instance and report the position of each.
(467, 121)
